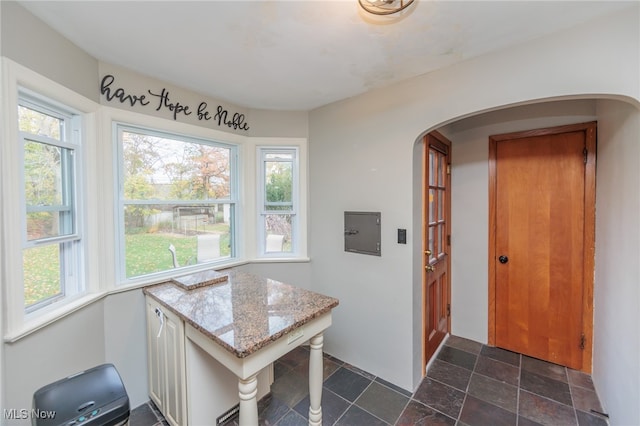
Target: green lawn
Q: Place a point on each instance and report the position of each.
(146, 253)
(41, 278)
(149, 253)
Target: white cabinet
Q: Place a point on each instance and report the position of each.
(166, 362)
(179, 368)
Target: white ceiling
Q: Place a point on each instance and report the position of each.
(299, 55)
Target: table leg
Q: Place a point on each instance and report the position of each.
(247, 390)
(315, 379)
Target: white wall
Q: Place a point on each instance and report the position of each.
(29, 42)
(616, 361)
(70, 345)
(125, 346)
(362, 158)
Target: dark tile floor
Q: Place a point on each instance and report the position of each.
(467, 384)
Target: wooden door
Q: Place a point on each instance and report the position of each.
(543, 237)
(436, 242)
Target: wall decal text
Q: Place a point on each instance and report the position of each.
(162, 101)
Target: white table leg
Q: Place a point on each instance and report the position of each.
(315, 380)
(247, 390)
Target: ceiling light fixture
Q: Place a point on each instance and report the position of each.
(384, 7)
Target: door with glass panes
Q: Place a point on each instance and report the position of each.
(436, 243)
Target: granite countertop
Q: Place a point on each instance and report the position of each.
(245, 312)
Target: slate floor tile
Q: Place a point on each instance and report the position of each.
(457, 357)
(439, 396)
(328, 368)
(293, 419)
(523, 421)
(357, 416)
(418, 414)
(450, 374)
(271, 410)
(382, 402)
(295, 357)
(494, 392)
(464, 344)
(578, 378)
(290, 388)
(476, 412)
(359, 371)
(347, 384)
(585, 399)
(588, 419)
(333, 359)
(394, 387)
(333, 407)
(541, 385)
(545, 411)
(501, 355)
(143, 415)
(544, 368)
(280, 369)
(498, 370)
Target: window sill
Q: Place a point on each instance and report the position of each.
(42, 320)
(280, 260)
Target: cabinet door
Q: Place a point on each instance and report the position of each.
(175, 373)
(155, 354)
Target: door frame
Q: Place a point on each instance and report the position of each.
(590, 130)
(425, 182)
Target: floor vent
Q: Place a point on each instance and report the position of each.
(225, 417)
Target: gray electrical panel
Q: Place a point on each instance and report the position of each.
(362, 232)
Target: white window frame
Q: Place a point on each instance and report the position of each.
(234, 199)
(17, 82)
(261, 153)
(71, 245)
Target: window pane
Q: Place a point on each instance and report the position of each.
(431, 243)
(432, 167)
(442, 169)
(279, 184)
(41, 267)
(432, 205)
(285, 156)
(441, 204)
(158, 168)
(278, 233)
(163, 237)
(439, 240)
(48, 186)
(38, 123)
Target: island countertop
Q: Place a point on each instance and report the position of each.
(244, 313)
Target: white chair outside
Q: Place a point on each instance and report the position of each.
(208, 247)
(275, 243)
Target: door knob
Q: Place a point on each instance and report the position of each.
(429, 268)
(503, 259)
(427, 252)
